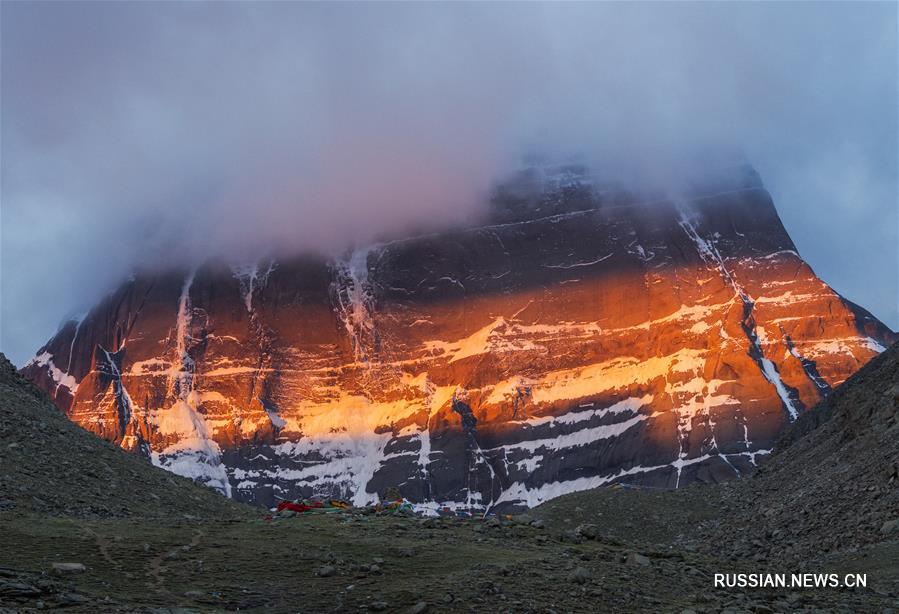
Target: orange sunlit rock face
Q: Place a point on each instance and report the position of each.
(573, 340)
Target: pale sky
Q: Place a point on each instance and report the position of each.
(152, 134)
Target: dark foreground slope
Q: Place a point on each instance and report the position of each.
(50, 466)
(833, 484)
(828, 487)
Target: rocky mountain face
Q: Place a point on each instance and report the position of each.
(581, 335)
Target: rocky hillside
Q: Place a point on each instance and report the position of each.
(833, 482)
(581, 335)
(53, 467)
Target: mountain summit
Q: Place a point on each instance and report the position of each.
(582, 335)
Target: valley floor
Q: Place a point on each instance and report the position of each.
(612, 550)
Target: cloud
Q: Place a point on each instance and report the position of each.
(146, 133)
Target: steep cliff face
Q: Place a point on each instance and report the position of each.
(580, 336)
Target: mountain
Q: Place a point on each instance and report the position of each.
(51, 467)
(581, 335)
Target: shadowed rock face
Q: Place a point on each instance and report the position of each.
(578, 337)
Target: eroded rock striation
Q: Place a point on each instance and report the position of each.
(579, 336)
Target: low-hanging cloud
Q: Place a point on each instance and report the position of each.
(162, 133)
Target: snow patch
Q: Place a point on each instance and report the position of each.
(251, 278)
(577, 265)
(531, 497)
(873, 345)
(354, 297)
(60, 377)
(590, 380)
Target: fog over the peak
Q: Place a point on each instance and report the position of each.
(155, 134)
